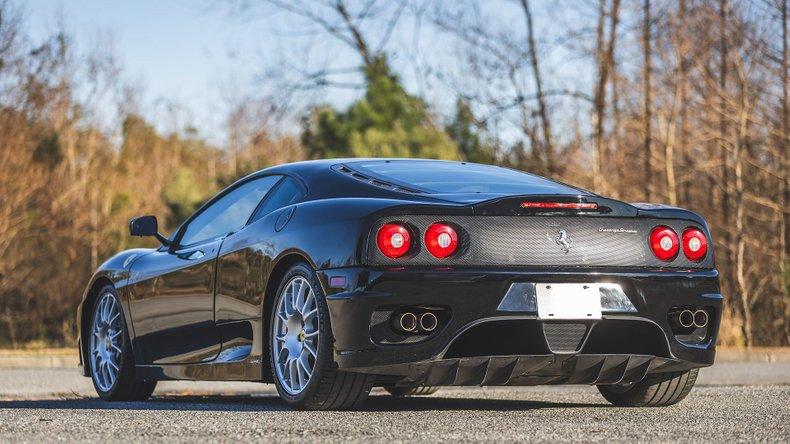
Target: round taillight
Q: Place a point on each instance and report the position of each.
(441, 240)
(695, 244)
(393, 240)
(664, 243)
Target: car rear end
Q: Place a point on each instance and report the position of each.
(528, 289)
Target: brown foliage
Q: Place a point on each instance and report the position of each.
(68, 189)
(687, 103)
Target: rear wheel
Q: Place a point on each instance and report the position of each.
(659, 389)
(420, 390)
(110, 359)
(301, 358)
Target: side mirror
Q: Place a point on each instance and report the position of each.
(147, 226)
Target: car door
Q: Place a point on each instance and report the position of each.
(239, 296)
(171, 298)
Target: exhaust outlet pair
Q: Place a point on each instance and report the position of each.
(409, 322)
(688, 318)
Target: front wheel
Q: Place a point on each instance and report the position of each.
(111, 360)
(301, 345)
(659, 389)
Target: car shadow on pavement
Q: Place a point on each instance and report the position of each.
(272, 403)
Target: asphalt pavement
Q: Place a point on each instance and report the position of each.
(733, 401)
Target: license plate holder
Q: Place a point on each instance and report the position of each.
(568, 301)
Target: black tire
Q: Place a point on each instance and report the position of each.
(420, 390)
(656, 390)
(126, 387)
(328, 388)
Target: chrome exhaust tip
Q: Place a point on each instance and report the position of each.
(428, 321)
(686, 318)
(700, 318)
(408, 322)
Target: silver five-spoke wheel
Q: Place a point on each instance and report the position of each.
(295, 335)
(105, 351)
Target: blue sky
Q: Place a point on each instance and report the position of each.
(196, 57)
(192, 54)
(174, 50)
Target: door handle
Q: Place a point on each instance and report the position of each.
(195, 255)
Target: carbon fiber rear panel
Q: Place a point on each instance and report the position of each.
(517, 241)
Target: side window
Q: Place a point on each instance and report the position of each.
(230, 212)
(286, 193)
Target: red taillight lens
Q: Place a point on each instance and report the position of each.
(441, 240)
(393, 240)
(695, 244)
(664, 243)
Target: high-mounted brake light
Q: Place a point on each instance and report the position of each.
(664, 243)
(695, 244)
(560, 205)
(393, 240)
(441, 240)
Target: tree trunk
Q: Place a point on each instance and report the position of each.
(647, 71)
(740, 234)
(722, 136)
(94, 227)
(598, 99)
(613, 145)
(669, 155)
(359, 41)
(548, 145)
(683, 147)
(605, 52)
(785, 147)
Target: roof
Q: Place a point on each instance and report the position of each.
(453, 181)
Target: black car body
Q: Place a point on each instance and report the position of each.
(201, 311)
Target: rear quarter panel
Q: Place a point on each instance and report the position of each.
(327, 233)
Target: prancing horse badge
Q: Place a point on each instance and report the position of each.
(563, 240)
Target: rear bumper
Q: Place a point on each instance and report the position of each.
(513, 348)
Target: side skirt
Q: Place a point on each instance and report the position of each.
(249, 369)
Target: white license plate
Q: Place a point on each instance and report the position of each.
(568, 301)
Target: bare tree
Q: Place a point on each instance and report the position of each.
(700, 120)
(785, 145)
(647, 69)
(363, 27)
(539, 92)
(683, 56)
(606, 42)
(785, 169)
(723, 132)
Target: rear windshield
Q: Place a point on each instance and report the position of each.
(459, 177)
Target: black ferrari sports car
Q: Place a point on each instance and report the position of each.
(331, 277)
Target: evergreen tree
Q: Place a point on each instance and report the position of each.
(464, 131)
(386, 122)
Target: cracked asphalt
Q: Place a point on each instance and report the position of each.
(732, 402)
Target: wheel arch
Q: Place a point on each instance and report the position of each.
(280, 268)
(85, 318)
